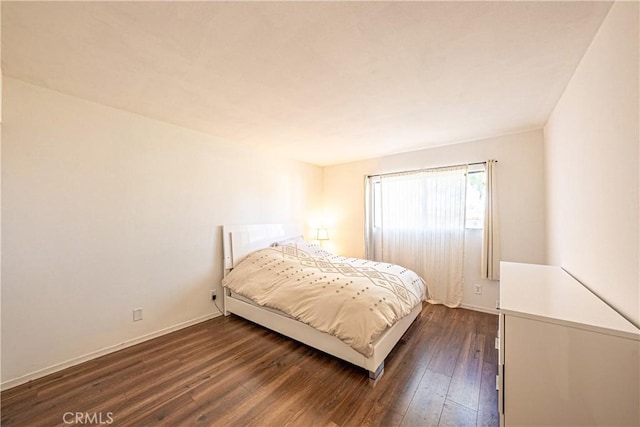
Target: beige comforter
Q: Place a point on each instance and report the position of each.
(352, 299)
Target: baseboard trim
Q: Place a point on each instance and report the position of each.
(104, 351)
(481, 309)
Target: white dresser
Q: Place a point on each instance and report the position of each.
(565, 357)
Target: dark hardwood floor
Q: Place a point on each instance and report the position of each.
(228, 371)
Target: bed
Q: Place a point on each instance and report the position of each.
(251, 258)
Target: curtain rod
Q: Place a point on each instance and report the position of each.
(429, 169)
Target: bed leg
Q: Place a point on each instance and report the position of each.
(224, 302)
(374, 375)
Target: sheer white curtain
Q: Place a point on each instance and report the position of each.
(419, 223)
(490, 267)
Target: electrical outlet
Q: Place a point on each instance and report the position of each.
(213, 295)
(137, 314)
(478, 289)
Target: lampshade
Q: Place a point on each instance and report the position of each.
(322, 234)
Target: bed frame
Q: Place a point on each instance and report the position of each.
(238, 242)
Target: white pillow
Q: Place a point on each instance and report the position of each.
(312, 249)
(289, 240)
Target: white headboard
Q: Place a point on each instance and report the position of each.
(240, 240)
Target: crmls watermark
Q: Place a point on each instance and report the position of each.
(90, 418)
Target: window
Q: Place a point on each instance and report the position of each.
(475, 196)
(476, 187)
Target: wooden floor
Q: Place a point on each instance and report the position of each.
(228, 371)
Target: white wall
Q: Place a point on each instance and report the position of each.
(521, 187)
(105, 211)
(591, 156)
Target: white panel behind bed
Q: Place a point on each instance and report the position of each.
(240, 240)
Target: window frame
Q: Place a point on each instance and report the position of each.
(476, 169)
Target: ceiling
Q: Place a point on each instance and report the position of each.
(322, 82)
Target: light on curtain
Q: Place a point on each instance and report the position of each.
(490, 267)
(421, 226)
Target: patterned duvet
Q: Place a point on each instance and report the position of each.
(352, 299)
